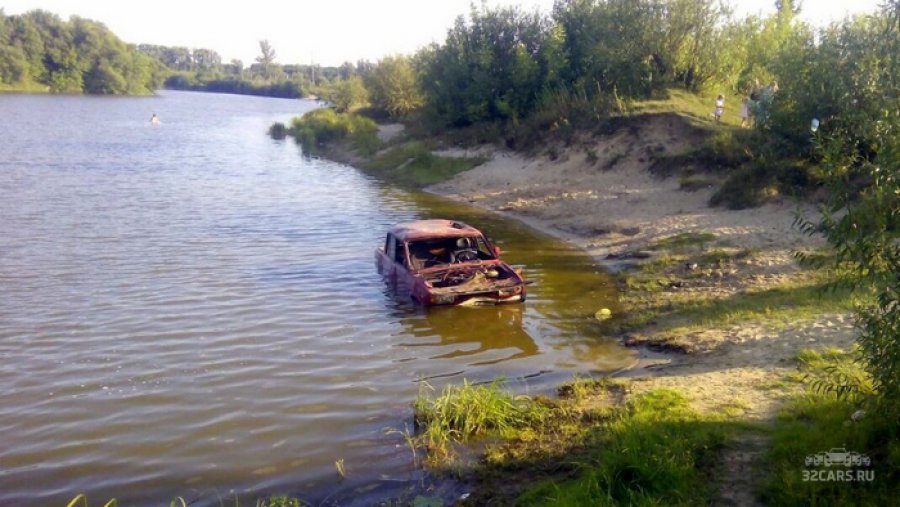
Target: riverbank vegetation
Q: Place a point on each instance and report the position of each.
(600, 443)
(42, 53)
(353, 138)
(593, 443)
(39, 52)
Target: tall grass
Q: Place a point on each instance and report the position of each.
(463, 412)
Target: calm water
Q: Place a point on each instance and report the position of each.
(193, 309)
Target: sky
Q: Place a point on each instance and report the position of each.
(326, 32)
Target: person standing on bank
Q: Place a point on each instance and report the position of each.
(720, 108)
(745, 113)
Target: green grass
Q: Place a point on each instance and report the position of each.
(823, 418)
(465, 412)
(407, 164)
(674, 292)
(696, 107)
(413, 164)
(717, 257)
(657, 451)
(318, 129)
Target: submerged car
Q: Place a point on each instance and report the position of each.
(444, 262)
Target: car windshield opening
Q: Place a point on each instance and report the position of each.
(430, 253)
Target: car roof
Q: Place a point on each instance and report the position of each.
(428, 229)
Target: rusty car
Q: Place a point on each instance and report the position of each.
(446, 262)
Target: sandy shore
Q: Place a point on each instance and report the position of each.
(613, 205)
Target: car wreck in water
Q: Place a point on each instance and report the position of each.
(443, 262)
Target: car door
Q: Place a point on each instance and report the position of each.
(399, 266)
(384, 256)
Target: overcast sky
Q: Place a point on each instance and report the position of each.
(327, 32)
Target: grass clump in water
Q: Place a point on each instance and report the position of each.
(655, 452)
(278, 130)
(464, 412)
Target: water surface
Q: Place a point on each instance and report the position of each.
(192, 309)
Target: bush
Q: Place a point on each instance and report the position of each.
(278, 131)
(748, 187)
(859, 151)
(316, 129)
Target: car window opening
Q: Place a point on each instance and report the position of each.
(444, 251)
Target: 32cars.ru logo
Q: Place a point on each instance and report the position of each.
(838, 457)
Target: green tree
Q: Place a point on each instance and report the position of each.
(348, 94)
(393, 86)
(206, 60)
(71, 56)
(489, 68)
(266, 57)
(855, 74)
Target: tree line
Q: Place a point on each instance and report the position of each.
(509, 65)
(38, 50)
(203, 70)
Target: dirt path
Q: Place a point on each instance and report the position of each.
(739, 472)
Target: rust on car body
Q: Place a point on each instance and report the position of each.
(446, 262)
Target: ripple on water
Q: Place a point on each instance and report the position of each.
(196, 307)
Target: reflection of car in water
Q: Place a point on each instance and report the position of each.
(442, 262)
(484, 335)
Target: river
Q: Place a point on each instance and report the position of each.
(193, 309)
